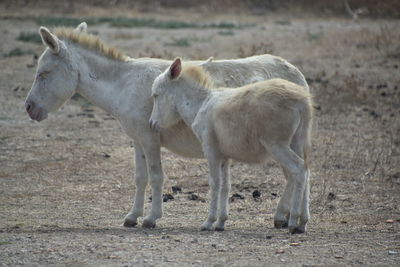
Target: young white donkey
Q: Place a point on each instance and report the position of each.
(248, 124)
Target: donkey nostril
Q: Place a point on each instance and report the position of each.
(28, 106)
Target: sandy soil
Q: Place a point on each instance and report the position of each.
(66, 183)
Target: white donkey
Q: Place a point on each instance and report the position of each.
(247, 124)
(77, 62)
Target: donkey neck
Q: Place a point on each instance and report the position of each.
(189, 100)
(100, 78)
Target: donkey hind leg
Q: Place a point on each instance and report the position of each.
(156, 175)
(141, 180)
(223, 208)
(305, 214)
(295, 166)
(298, 147)
(283, 210)
(214, 183)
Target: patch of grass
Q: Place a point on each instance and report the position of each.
(149, 52)
(283, 22)
(184, 42)
(5, 243)
(58, 21)
(226, 33)
(151, 23)
(314, 36)
(387, 42)
(31, 37)
(126, 22)
(223, 25)
(256, 49)
(16, 52)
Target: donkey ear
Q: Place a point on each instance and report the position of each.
(50, 40)
(175, 68)
(81, 27)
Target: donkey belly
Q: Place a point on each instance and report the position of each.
(181, 140)
(248, 152)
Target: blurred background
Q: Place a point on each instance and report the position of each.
(370, 8)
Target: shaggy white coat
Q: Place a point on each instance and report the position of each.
(248, 124)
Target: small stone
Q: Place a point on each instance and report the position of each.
(331, 196)
(176, 189)
(236, 196)
(338, 257)
(392, 252)
(268, 237)
(389, 221)
(167, 197)
(279, 251)
(113, 257)
(294, 244)
(193, 197)
(106, 155)
(256, 194)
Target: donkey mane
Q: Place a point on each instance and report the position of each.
(90, 41)
(198, 74)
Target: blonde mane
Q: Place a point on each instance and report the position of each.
(198, 75)
(90, 41)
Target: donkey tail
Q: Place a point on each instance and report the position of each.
(305, 130)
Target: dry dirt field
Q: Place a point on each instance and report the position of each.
(66, 183)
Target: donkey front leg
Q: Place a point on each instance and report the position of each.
(225, 187)
(214, 183)
(141, 180)
(156, 175)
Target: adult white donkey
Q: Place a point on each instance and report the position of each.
(77, 62)
(248, 124)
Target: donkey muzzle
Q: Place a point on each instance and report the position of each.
(35, 111)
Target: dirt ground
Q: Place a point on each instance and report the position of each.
(66, 183)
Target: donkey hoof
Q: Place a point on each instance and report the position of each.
(148, 224)
(219, 228)
(280, 224)
(207, 227)
(129, 223)
(296, 230)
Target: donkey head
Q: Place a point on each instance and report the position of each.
(164, 114)
(56, 78)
